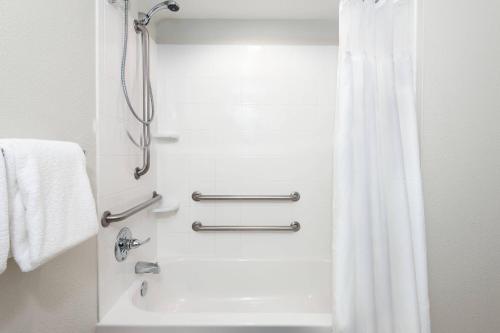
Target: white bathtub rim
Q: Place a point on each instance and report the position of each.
(176, 259)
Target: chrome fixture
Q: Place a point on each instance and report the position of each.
(198, 196)
(148, 108)
(294, 226)
(125, 242)
(144, 288)
(108, 218)
(143, 267)
(171, 5)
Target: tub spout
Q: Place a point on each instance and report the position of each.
(142, 267)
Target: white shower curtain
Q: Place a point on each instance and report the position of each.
(380, 275)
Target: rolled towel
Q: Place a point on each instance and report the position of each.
(51, 206)
(4, 215)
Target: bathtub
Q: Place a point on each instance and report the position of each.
(209, 296)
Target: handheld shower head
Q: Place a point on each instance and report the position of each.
(172, 5)
(169, 4)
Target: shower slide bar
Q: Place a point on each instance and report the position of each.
(108, 218)
(198, 196)
(198, 226)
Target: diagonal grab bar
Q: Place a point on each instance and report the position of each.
(108, 218)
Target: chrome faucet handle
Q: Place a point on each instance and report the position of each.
(135, 243)
(125, 242)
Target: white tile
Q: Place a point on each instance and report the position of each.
(228, 245)
(202, 89)
(201, 244)
(201, 169)
(172, 244)
(117, 188)
(268, 214)
(171, 168)
(173, 222)
(260, 245)
(202, 142)
(202, 212)
(253, 120)
(228, 213)
(115, 174)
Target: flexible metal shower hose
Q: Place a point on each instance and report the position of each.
(146, 137)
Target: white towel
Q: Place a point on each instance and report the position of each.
(4, 215)
(51, 207)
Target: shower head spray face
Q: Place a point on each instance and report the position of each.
(170, 4)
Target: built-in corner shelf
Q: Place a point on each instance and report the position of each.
(168, 136)
(169, 207)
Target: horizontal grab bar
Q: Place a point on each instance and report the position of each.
(198, 196)
(294, 226)
(108, 218)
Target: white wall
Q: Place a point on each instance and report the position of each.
(461, 162)
(253, 120)
(117, 157)
(251, 10)
(47, 91)
(259, 32)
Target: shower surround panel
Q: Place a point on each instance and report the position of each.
(117, 157)
(252, 119)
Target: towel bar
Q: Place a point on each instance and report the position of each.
(294, 226)
(108, 218)
(198, 196)
(3, 152)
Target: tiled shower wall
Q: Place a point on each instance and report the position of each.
(117, 157)
(252, 120)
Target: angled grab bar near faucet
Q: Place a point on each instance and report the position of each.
(108, 218)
